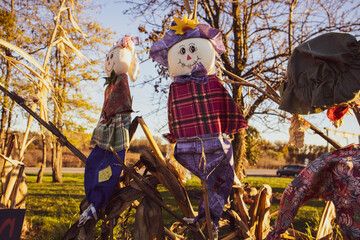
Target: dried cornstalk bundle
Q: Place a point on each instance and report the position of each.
(180, 229)
(167, 178)
(14, 187)
(149, 221)
(120, 201)
(243, 231)
(254, 222)
(325, 229)
(263, 214)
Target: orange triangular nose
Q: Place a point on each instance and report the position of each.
(188, 57)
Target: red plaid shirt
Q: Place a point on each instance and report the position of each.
(196, 109)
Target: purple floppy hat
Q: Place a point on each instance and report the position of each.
(159, 50)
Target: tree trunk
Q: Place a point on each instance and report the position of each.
(43, 163)
(57, 162)
(239, 148)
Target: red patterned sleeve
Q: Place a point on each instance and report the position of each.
(310, 184)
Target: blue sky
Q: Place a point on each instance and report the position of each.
(144, 103)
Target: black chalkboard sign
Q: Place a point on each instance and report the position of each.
(11, 222)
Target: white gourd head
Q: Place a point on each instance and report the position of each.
(122, 59)
(184, 55)
(186, 44)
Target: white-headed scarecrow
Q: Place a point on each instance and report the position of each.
(102, 169)
(200, 110)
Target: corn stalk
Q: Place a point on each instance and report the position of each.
(41, 71)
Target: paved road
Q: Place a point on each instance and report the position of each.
(48, 170)
(261, 172)
(249, 172)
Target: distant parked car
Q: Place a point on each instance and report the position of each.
(290, 170)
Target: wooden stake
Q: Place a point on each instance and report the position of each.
(207, 209)
(161, 160)
(153, 144)
(48, 125)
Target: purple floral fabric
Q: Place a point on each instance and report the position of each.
(334, 176)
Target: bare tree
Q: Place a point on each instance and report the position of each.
(258, 36)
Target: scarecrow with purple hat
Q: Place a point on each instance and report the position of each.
(200, 110)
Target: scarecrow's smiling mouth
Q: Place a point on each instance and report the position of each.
(112, 67)
(191, 65)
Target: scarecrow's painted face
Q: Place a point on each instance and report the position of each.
(184, 55)
(119, 60)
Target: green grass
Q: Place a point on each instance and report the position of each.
(51, 208)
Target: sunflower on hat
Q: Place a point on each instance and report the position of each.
(183, 25)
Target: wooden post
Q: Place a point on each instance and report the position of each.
(151, 139)
(207, 209)
(159, 155)
(187, 6)
(327, 143)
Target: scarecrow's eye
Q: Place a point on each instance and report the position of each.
(111, 56)
(107, 58)
(182, 51)
(192, 48)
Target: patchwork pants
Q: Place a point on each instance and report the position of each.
(209, 157)
(102, 172)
